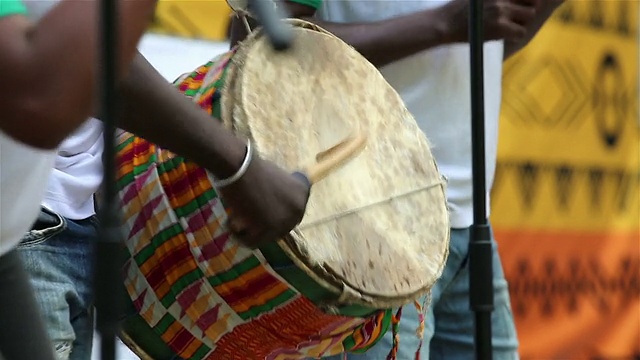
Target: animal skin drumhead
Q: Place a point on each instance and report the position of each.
(377, 228)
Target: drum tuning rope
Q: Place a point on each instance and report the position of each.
(243, 15)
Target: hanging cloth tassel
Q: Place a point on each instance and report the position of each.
(422, 310)
(396, 337)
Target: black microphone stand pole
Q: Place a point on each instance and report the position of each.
(480, 251)
(280, 36)
(108, 281)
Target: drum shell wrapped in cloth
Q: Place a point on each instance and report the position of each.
(375, 234)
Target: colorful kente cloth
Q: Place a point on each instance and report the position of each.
(204, 295)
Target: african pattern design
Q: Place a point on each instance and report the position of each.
(204, 295)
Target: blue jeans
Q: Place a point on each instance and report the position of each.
(58, 255)
(449, 322)
(22, 333)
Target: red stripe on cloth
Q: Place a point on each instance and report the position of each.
(161, 272)
(251, 289)
(285, 328)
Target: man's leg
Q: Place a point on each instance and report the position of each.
(22, 333)
(409, 322)
(58, 255)
(454, 320)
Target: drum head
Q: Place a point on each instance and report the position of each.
(377, 229)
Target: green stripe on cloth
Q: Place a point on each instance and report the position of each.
(125, 143)
(268, 306)
(158, 239)
(196, 203)
(385, 324)
(235, 272)
(141, 168)
(165, 323)
(216, 108)
(170, 165)
(185, 281)
(125, 180)
(202, 351)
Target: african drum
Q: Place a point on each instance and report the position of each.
(374, 236)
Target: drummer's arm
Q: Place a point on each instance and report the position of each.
(158, 112)
(384, 42)
(380, 42)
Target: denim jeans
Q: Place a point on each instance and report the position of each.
(58, 254)
(22, 332)
(449, 322)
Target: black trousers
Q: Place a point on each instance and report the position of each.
(22, 332)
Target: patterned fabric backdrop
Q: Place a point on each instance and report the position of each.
(566, 200)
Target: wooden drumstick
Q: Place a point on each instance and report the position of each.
(335, 157)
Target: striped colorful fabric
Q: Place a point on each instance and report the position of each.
(204, 295)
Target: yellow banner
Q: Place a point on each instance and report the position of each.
(566, 199)
(195, 19)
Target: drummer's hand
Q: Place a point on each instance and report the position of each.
(503, 19)
(265, 204)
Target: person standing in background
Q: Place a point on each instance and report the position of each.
(421, 48)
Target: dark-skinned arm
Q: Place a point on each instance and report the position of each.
(546, 8)
(386, 41)
(49, 68)
(158, 112)
(381, 42)
(265, 203)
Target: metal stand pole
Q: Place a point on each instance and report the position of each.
(279, 34)
(480, 253)
(108, 283)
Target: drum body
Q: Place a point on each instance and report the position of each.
(196, 293)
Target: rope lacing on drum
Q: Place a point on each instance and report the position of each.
(422, 310)
(395, 321)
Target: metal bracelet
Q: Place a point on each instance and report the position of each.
(241, 171)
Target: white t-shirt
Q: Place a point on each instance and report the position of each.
(435, 86)
(78, 171)
(23, 176)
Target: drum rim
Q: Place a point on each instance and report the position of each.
(325, 277)
(133, 346)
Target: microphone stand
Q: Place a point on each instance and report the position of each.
(279, 34)
(108, 283)
(480, 249)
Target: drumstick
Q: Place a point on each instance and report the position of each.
(334, 157)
